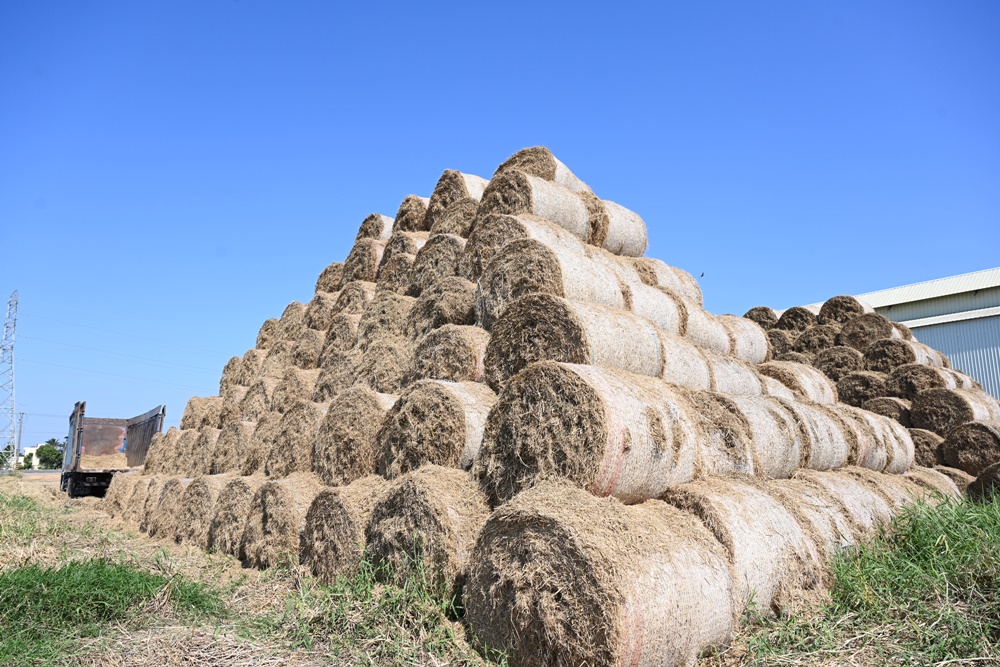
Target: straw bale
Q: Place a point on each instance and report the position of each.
(308, 348)
(772, 387)
(805, 380)
(119, 490)
(771, 557)
(179, 458)
(973, 446)
(451, 187)
(292, 450)
(279, 357)
(725, 448)
(231, 400)
(611, 432)
(865, 329)
(815, 339)
(657, 273)
(961, 478)
(363, 261)
(408, 243)
(542, 327)
(230, 375)
(295, 385)
(777, 443)
(762, 315)
(257, 400)
(559, 577)
(338, 371)
(528, 266)
(160, 454)
(253, 362)
(450, 300)
(707, 331)
(430, 516)
(164, 519)
(341, 336)
(860, 386)
(986, 486)
(434, 421)
(826, 443)
(333, 540)
(375, 226)
(229, 516)
(331, 278)
(493, 232)
(261, 443)
(820, 514)
(438, 259)
(385, 315)
(891, 407)
(686, 364)
(267, 334)
(354, 297)
(626, 233)
(151, 501)
(927, 447)
(200, 461)
(910, 380)
(890, 353)
(893, 448)
(411, 215)
(345, 448)
(394, 274)
(133, 504)
(321, 310)
(941, 410)
(838, 361)
(866, 509)
(458, 218)
(517, 193)
(796, 357)
(797, 318)
(897, 490)
(658, 305)
(197, 507)
(452, 352)
(382, 365)
(842, 309)
(781, 341)
(734, 376)
(201, 412)
(934, 481)
(539, 161)
(292, 321)
(749, 340)
(275, 521)
(232, 447)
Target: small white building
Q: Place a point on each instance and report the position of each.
(34, 457)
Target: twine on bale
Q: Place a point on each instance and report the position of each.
(229, 515)
(438, 259)
(973, 446)
(708, 332)
(411, 215)
(777, 443)
(452, 352)
(934, 481)
(825, 442)
(451, 187)
(539, 161)
(451, 300)
(376, 226)
(842, 309)
(331, 278)
(345, 448)
(275, 520)
(725, 448)
(940, 410)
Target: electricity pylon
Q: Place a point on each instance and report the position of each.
(8, 408)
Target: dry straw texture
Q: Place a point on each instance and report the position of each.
(267, 334)
(452, 187)
(560, 577)
(197, 507)
(934, 481)
(261, 443)
(842, 309)
(798, 318)
(805, 380)
(911, 380)
(451, 300)
(119, 491)
(961, 478)
(331, 278)
(354, 297)
(838, 361)
(927, 447)
(986, 486)
(408, 243)
(161, 451)
(438, 259)
(292, 448)
(134, 509)
(707, 331)
(429, 516)
(333, 539)
(230, 372)
(382, 365)
(308, 349)
(201, 412)
(825, 437)
(231, 399)
(345, 448)
(295, 385)
(762, 315)
(749, 340)
(973, 446)
(458, 218)
(866, 509)
(778, 444)
(725, 448)
(163, 516)
(385, 315)
(275, 521)
(233, 447)
(341, 335)
(657, 273)
(781, 341)
(229, 514)
(539, 161)
(411, 215)
(820, 515)
(253, 362)
(860, 386)
(890, 353)
(816, 339)
(199, 462)
(375, 226)
(363, 261)
(891, 407)
(434, 421)
(394, 273)
(941, 410)
(453, 352)
(492, 232)
(864, 330)
(321, 309)
(796, 357)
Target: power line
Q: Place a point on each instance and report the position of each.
(124, 377)
(119, 354)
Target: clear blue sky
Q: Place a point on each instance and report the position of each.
(173, 173)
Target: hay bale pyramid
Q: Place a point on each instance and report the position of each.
(498, 384)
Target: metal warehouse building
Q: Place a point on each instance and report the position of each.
(959, 316)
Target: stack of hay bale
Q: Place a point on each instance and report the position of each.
(498, 385)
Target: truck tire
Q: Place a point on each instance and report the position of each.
(71, 488)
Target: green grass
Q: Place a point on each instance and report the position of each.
(924, 592)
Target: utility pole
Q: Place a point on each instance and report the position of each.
(8, 408)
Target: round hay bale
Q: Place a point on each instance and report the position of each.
(749, 340)
(539, 161)
(253, 362)
(363, 261)
(451, 300)
(493, 232)
(708, 332)
(382, 365)
(927, 447)
(896, 489)
(733, 376)
(161, 452)
(825, 443)
(267, 334)
(143, 501)
(816, 339)
(866, 509)
(321, 310)
(818, 512)
(411, 215)
(777, 443)
(201, 412)
(434, 421)
(888, 354)
(394, 274)
(868, 449)
(934, 481)
(796, 357)
(781, 341)
(452, 352)
(458, 218)
(339, 371)
(200, 461)
(341, 336)
(279, 357)
(911, 380)
(772, 387)
(656, 304)
(838, 361)
(261, 443)
(961, 478)
(354, 297)
(275, 520)
(292, 322)
(385, 315)
(797, 318)
(860, 386)
(805, 380)
(890, 437)
(429, 516)
(907, 334)
(528, 267)
(292, 450)
(232, 447)
(119, 491)
(197, 507)
(762, 315)
(333, 540)
(972, 446)
(559, 577)
(941, 410)
(163, 519)
(771, 557)
(686, 364)
(865, 329)
(345, 448)
(451, 187)
(308, 349)
(626, 234)
(542, 327)
(295, 385)
(726, 448)
(611, 432)
(375, 226)
(408, 243)
(229, 514)
(438, 259)
(230, 375)
(891, 407)
(842, 309)
(987, 485)
(517, 193)
(230, 411)
(331, 278)
(657, 273)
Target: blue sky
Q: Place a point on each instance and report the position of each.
(174, 173)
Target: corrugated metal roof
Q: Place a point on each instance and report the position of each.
(953, 317)
(932, 289)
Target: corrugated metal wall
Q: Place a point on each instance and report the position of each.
(953, 303)
(972, 345)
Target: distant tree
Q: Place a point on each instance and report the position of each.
(29, 462)
(50, 455)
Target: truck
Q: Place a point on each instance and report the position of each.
(99, 447)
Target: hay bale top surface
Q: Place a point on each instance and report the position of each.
(539, 161)
(842, 309)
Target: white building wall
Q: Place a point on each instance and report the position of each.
(972, 345)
